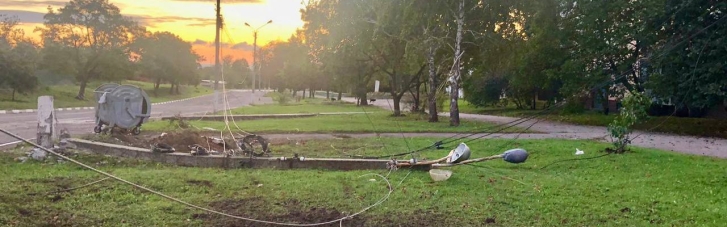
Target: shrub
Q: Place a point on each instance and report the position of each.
(282, 98)
(634, 110)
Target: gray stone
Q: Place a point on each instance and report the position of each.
(38, 154)
(65, 144)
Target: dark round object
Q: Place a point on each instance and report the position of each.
(136, 131)
(97, 129)
(516, 155)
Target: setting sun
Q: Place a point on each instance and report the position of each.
(193, 20)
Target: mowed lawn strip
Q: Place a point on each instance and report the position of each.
(368, 119)
(376, 122)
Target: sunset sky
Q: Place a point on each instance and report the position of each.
(193, 20)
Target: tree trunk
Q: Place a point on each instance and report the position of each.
(171, 89)
(82, 90)
(417, 98)
(311, 93)
(156, 86)
(432, 95)
(303, 93)
(454, 88)
(340, 93)
(535, 103)
(397, 106)
(13, 98)
(363, 99)
(328, 94)
(604, 104)
(177, 89)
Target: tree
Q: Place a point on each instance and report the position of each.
(688, 65)
(236, 72)
(89, 39)
(165, 57)
(18, 58)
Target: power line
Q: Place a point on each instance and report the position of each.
(380, 201)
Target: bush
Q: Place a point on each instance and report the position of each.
(573, 106)
(634, 110)
(281, 98)
(485, 92)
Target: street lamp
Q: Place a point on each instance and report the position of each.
(255, 70)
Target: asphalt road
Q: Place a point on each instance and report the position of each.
(82, 121)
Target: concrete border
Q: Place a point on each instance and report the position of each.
(218, 161)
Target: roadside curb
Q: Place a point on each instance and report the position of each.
(87, 108)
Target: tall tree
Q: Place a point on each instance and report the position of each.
(165, 57)
(689, 66)
(18, 58)
(89, 39)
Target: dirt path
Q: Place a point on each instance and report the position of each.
(714, 147)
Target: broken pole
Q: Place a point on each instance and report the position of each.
(46, 121)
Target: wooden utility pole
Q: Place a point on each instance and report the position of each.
(218, 72)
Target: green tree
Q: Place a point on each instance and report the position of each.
(165, 57)
(689, 64)
(236, 71)
(18, 58)
(89, 39)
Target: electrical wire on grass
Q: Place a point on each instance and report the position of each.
(379, 202)
(575, 159)
(71, 189)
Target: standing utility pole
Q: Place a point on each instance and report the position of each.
(255, 67)
(217, 55)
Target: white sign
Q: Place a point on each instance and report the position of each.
(376, 86)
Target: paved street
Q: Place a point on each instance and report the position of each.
(82, 121)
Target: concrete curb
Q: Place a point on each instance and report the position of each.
(219, 161)
(87, 108)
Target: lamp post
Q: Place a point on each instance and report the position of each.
(255, 70)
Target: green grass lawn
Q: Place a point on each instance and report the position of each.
(309, 105)
(377, 122)
(645, 187)
(64, 95)
(676, 125)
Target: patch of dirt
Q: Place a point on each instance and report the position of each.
(490, 221)
(180, 140)
(292, 211)
(56, 198)
(58, 182)
(24, 212)
(201, 182)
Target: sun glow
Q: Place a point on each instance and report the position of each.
(193, 20)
